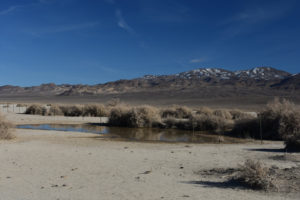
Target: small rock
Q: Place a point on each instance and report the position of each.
(146, 172)
(54, 185)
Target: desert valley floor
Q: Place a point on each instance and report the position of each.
(62, 165)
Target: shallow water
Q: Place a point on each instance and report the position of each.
(138, 134)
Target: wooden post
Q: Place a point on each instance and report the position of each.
(260, 128)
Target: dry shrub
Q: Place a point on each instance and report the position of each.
(143, 116)
(272, 118)
(279, 120)
(176, 112)
(36, 109)
(96, 110)
(225, 114)
(119, 116)
(292, 143)
(254, 175)
(205, 122)
(289, 130)
(204, 110)
(72, 111)
(55, 110)
(5, 129)
(199, 122)
(240, 115)
(246, 128)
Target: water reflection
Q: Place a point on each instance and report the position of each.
(138, 134)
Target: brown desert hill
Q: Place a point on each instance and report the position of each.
(192, 87)
(289, 83)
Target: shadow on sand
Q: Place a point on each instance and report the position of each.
(268, 150)
(229, 184)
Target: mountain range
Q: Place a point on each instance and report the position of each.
(197, 84)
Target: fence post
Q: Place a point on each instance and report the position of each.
(260, 128)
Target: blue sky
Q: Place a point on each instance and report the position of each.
(95, 41)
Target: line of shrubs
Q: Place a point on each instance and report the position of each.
(95, 110)
(278, 121)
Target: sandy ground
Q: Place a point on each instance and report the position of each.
(63, 165)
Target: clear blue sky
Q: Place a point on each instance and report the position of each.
(95, 41)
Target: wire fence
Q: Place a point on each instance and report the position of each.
(12, 108)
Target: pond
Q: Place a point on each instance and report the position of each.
(139, 134)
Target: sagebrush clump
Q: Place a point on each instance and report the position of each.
(279, 120)
(96, 110)
(55, 110)
(119, 116)
(254, 175)
(139, 117)
(36, 109)
(72, 111)
(176, 112)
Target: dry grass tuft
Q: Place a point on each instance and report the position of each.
(5, 129)
(254, 175)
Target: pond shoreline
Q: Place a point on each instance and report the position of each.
(140, 134)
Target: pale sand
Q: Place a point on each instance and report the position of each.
(63, 165)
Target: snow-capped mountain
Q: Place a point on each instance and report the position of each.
(210, 80)
(257, 73)
(206, 72)
(264, 73)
